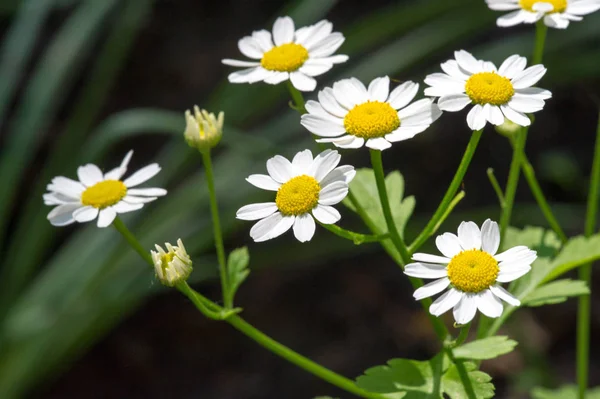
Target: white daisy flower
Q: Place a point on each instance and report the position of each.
(495, 93)
(556, 13)
(472, 270)
(297, 55)
(350, 115)
(306, 189)
(98, 195)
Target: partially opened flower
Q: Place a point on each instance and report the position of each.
(495, 93)
(305, 187)
(472, 270)
(99, 195)
(350, 115)
(173, 265)
(556, 13)
(297, 55)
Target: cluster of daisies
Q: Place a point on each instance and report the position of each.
(350, 115)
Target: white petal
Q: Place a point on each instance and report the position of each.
(315, 108)
(467, 62)
(490, 237)
(124, 207)
(405, 133)
(256, 211)
(62, 215)
(271, 227)
(422, 112)
(333, 59)
(147, 192)
(506, 275)
(349, 94)
(89, 174)
(250, 47)
(425, 270)
(322, 127)
(431, 289)
(525, 104)
(327, 46)
(379, 89)
(302, 82)
(453, 102)
(535, 92)
(106, 217)
(119, 171)
(304, 227)
(583, 7)
(280, 169)
(312, 68)
(512, 66)
(502, 5)
(542, 6)
(346, 141)
(515, 116)
(427, 258)
(330, 104)
(66, 186)
(138, 200)
(442, 84)
(250, 75)
(402, 95)
(488, 304)
(311, 35)
(504, 295)
(514, 254)
(454, 70)
(85, 214)
(465, 309)
(493, 114)
(326, 214)
(58, 199)
(469, 235)
(238, 63)
(302, 162)
(529, 77)
(333, 193)
(445, 302)
(476, 118)
(324, 163)
(556, 21)
(277, 77)
(513, 18)
(378, 143)
(142, 175)
(343, 173)
(448, 244)
(283, 30)
(263, 38)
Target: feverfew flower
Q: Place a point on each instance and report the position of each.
(472, 270)
(297, 55)
(350, 115)
(172, 266)
(203, 130)
(556, 13)
(495, 93)
(98, 195)
(305, 187)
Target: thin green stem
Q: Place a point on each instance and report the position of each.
(218, 235)
(297, 97)
(132, 241)
(463, 334)
(356, 238)
(540, 40)
(452, 189)
(448, 211)
(496, 186)
(377, 164)
(585, 274)
(513, 181)
(460, 366)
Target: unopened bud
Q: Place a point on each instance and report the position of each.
(508, 128)
(172, 266)
(203, 130)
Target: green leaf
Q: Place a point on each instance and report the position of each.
(237, 269)
(578, 251)
(487, 348)
(545, 242)
(564, 392)
(480, 381)
(555, 292)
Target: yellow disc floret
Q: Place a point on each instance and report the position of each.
(473, 271)
(104, 194)
(559, 5)
(371, 119)
(298, 196)
(285, 58)
(489, 88)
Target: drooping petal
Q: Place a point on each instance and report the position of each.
(445, 302)
(304, 227)
(106, 217)
(271, 227)
(378, 143)
(476, 118)
(504, 295)
(302, 82)
(515, 116)
(62, 215)
(85, 214)
(326, 214)
(124, 207)
(488, 304)
(465, 309)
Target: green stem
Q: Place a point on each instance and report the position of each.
(132, 241)
(297, 97)
(447, 213)
(513, 180)
(540, 40)
(463, 334)
(377, 163)
(585, 274)
(452, 189)
(496, 186)
(356, 238)
(218, 235)
(460, 366)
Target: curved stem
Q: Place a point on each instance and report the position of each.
(452, 189)
(356, 238)
(132, 241)
(297, 97)
(496, 186)
(585, 274)
(540, 40)
(218, 235)
(513, 181)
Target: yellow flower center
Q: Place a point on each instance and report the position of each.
(104, 193)
(285, 58)
(371, 119)
(165, 260)
(473, 271)
(559, 5)
(298, 196)
(489, 88)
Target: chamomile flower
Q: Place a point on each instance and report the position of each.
(99, 195)
(297, 55)
(350, 115)
(495, 93)
(173, 265)
(306, 189)
(556, 13)
(472, 270)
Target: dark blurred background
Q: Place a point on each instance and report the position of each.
(84, 81)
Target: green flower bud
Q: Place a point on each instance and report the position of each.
(203, 130)
(173, 266)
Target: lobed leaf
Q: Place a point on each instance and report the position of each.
(486, 348)
(237, 269)
(555, 292)
(480, 381)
